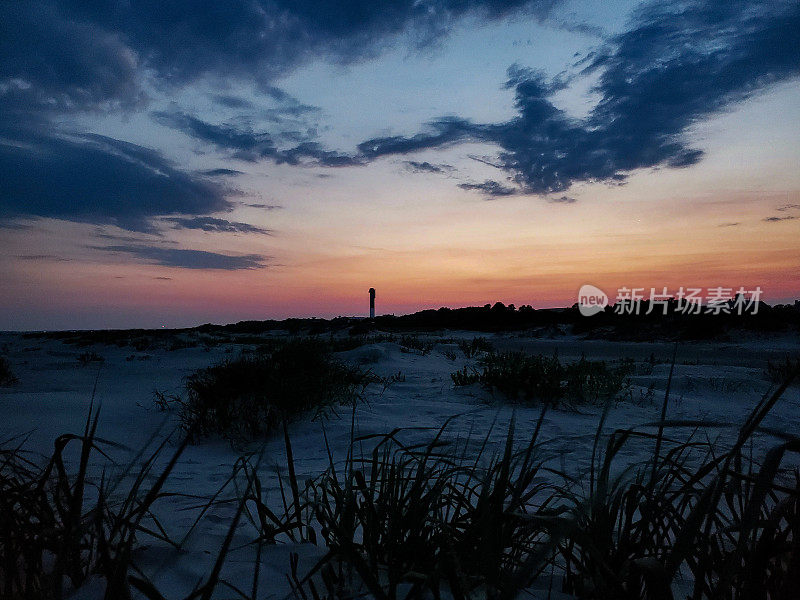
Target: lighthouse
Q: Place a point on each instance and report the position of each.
(371, 303)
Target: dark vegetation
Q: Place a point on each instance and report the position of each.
(553, 322)
(420, 522)
(778, 371)
(7, 376)
(61, 528)
(780, 318)
(251, 395)
(451, 517)
(530, 379)
(414, 345)
(89, 357)
(471, 348)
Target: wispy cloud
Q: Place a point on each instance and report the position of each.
(778, 219)
(221, 172)
(214, 225)
(246, 144)
(490, 188)
(14, 225)
(231, 101)
(428, 167)
(190, 259)
(41, 257)
(265, 206)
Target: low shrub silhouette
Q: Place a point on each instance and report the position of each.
(465, 376)
(471, 348)
(86, 358)
(412, 344)
(7, 377)
(778, 371)
(526, 378)
(250, 396)
(595, 381)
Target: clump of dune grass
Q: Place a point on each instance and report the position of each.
(593, 381)
(411, 344)
(466, 375)
(526, 378)
(778, 370)
(691, 519)
(249, 396)
(7, 377)
(523, 377)
(472, 348)
(89, 357)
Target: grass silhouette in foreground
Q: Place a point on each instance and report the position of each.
(444, 518)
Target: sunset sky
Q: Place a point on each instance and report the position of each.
(176, 163)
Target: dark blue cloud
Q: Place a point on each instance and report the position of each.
(314, 153)
(190, 259)
(288, 105)
(443, 132)
(677, 64)
(427, 167)
(96, 179)
(214, 225)
(52, 62)
(41, 258)
(245, 144)
(490, 188)
(221, 172)
(136, 238)
(265, 206)
(14, 225)
(287, 108)
(262, 38)
(230, 101)
(79, 54)
(683, 62)
(59, 58)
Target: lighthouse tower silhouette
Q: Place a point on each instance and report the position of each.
(371, 303)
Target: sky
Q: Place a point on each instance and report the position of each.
(184, 162)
